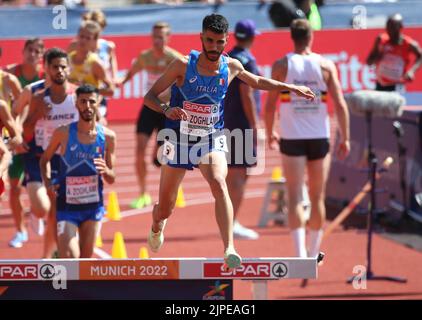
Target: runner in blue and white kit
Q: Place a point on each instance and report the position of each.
(195, 121)
(87, 150)
(48, 109)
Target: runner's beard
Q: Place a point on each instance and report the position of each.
(87, 115)
(207, 54)
(58, 81)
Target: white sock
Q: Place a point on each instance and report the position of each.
(315, 238)
(299, 242)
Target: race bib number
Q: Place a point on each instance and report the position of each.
(60, 227)
(48, 134)
(201, 119)
(220, 143)
(168, 150)
(302, 105)
(82, 190)
(391, 67)
(39, 137)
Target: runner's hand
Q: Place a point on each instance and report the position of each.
(303, 91)
(20, 148)
(409, 76)
(343, 149)
(176, 113)
(100, 165)
(16, 142)
(273, 141)
(52, 190)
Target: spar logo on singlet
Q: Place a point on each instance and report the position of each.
(200, 108)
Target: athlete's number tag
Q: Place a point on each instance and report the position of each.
(60, 227)
(201, 119)
(39, 137)
(168, 150)
(220, 144)
(391, 67)
(82, 190)
(48, 134)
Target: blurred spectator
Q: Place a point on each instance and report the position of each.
(214, 1)
(105, 49)
(42, 3)
(177, 2)
(170, 2)
(68, 3)
(283, 12)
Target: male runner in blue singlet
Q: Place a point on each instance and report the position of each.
(194, 127)
(87, 150)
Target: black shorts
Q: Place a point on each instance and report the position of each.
(241, 153)
(380, 87)
(148, 120)
(313, 149)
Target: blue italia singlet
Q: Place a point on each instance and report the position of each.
(81, 188)
(202, 97)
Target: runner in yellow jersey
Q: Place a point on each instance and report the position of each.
(86, 66)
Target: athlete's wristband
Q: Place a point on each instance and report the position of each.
(166, 108)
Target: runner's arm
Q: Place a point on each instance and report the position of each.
(417, 51)
(113, 62)
(174, 71)
(136, 66)
(278, 72)
(58, 137)
(375, 54)
(15, 86)
(22, 101)
(100, 74)
(105, 167)
(37, 109)
(7, 119)
(73, 45)
(5, 157)
(263, 83)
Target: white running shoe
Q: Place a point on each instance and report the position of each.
(241, 232)
(156, 239)
(37, 224)
(19, 239)
(232, 260)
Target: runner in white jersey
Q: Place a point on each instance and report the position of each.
(304, 128)
(49, 108)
